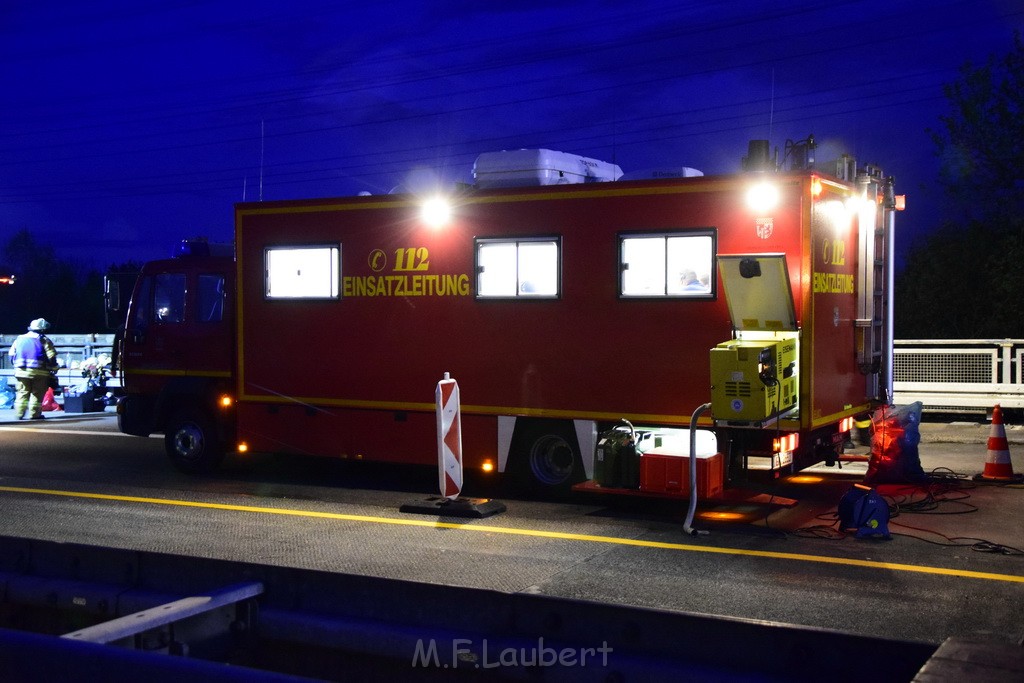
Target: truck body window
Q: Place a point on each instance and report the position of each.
(512, 268)
(311, 272)
(673, 264)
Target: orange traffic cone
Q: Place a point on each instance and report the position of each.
(997, 465)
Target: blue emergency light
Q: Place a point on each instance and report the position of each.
(200, 247)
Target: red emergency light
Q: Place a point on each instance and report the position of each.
(786, 443)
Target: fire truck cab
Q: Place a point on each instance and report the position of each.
(567, 301)
(177, 352)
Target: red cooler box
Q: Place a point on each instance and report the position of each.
(667, 472)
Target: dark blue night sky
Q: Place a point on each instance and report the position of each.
(128, 126)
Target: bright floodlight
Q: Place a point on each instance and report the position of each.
(436, 212)
(763, 197)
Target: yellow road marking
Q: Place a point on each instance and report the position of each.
(537, 533)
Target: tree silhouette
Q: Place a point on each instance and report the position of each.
(981, 146)
(70, 298)
(966, 280)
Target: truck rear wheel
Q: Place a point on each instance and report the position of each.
(192, 444)
(547, 458)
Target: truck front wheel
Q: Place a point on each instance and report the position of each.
(135, 416)
(192, 444)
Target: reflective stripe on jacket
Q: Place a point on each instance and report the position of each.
(27, 352)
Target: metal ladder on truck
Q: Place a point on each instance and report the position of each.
(875, 283)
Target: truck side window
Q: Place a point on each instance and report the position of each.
(511, 268)
(676, 264)
(308, 272)
(211, 298)
(169, 298)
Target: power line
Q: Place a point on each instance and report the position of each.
(671, 130)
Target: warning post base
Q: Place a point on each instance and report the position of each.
(460, 507)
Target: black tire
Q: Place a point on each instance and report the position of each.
(547, 458)
(192, 443)
(135, 416)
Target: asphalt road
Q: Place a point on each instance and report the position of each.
(75, 479)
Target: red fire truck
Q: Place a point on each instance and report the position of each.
(565, 299)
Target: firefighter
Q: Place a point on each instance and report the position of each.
(35, 360)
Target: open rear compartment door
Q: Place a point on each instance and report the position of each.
(755, 375)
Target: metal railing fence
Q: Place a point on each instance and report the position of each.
(959, 375)
(72, 349)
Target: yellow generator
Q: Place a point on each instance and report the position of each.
(753, 379)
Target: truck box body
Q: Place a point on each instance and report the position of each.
(319, 376)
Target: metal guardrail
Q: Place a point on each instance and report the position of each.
(959, 375)
(71, 348)
(946, 375)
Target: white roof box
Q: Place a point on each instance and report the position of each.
(532, 167)
(663, 173)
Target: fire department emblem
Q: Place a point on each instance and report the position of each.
(764, 227)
